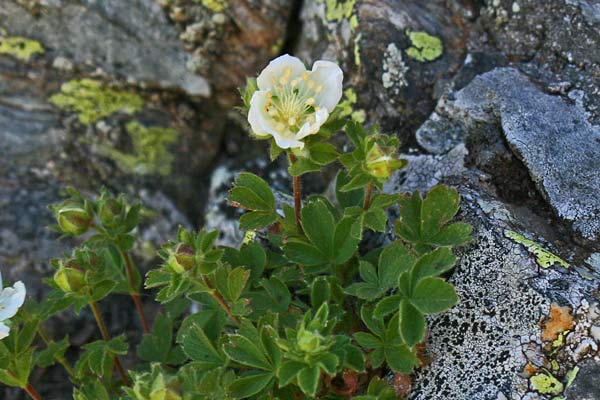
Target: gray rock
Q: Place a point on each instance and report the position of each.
(585, 386)
(132, 40)
(551, 136)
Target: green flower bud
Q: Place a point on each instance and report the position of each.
(111, 213)
(73, 218)
(69, 279)
(382, 162)
(308, 342)
(183, 259)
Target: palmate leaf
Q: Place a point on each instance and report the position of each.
(423, 222)
(252, 193)
(330, 241)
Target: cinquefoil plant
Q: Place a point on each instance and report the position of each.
(299, 311)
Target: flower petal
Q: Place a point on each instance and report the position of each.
(328, 75)
(308, 128)
(11, 299)
(276, 69)
(288, 143)
(257, 115)
(3, 331)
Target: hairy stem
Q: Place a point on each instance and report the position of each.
(106, 337)
(135, 294)
(32, 392)
(59, 358)
(368, 195)
(217, 296)
(297, 195)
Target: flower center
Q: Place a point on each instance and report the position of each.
(291, 101)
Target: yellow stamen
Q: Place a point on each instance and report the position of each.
(310, 84)
(319, 88)
(288, 72)
(292, 121)
(304, 76)
(294, 83)
(310, 101)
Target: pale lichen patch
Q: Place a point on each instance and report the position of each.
(20, 47)
(394, 69)
(543, 257)
(150, 153)
(546, 383)
(92, 101)
(424, 47)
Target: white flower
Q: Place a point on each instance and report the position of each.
(292, 103)
(11, 299)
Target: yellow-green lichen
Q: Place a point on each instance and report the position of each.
(20, 47)
(347, 107)
(357, 49)
(215, 5)
(150, 154)
(560, 340)
(543, 257)
(544, 383)
(91, 100)
(338, 10)
(570, 376)
(424, 47)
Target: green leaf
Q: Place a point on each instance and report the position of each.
(357, 182)
(156, 345)
(252, 193)
(240, 349)
(97, 357)
(274, 151)
(350, 198)
(374, 324)
(302, 166)
(346, 239)
(439, 207)
(288, 372)
(412, 324)
(197, 346)
(308, 380)
(432, 264)
(256, 220)
(367, 340)
(251, 384)
(422, 221)
(387, 306)
(355, 359)
(433, 295)
(401, 358)
(236, 282)
(320, 292)
(319, 225)
(53, 350)
(304, 253)
(453, 235)
(356, 133)
(322, 153)
(394, 260)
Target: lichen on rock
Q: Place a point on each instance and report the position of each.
(543, 257)
(150, 153)
(20, 47)
(425, 47)
(214, 5)
(394, 69)
(92, 101)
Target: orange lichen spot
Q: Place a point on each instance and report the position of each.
(530, 369)
(559, 320)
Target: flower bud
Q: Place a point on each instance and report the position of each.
(183, 259)
(111, 213)
(69, 279)
(308, 341)
(73, 218)
(381, 162)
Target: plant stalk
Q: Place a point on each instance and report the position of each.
(32, 392)
(106, 337)
(368, 195)
(135, 294)
(59, 358)
(297, 186)
(217, 296)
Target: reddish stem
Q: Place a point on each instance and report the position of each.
(32, 392)
(368, 195)
(297, 195)
(135, 295)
